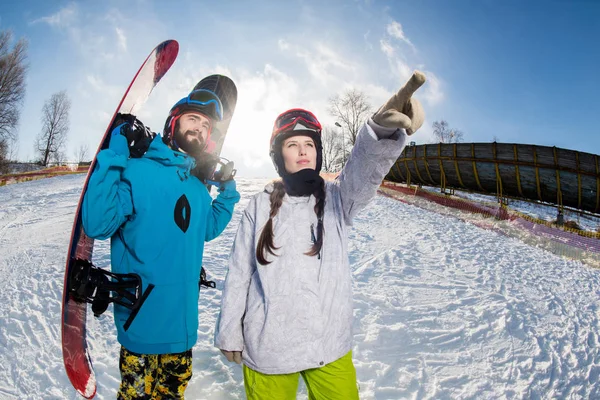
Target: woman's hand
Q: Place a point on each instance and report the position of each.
(401, 110)
(233, 356)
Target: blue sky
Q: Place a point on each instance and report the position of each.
(520, 71)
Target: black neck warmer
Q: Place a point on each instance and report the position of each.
(302, 183)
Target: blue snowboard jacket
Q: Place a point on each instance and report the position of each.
(158, 217)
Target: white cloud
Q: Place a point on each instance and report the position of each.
(433, 93)
(324, 64)
(283, 45)
(262, 96)
(309, 70)
(122, 39)
(394, 29)
(387, 48)
(61, 19)
(98, 85)
(378, 95)
(424, 135)
(95, 82)
(367, 42)
(402, 69)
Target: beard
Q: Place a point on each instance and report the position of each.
(189, 141)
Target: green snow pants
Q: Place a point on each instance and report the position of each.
(334, 381)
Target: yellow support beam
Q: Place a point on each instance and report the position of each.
(427, 165)
(407, 171)
(597, 186)
(578, 180)
(537, 175)
(442, 173)
(518, 174)
(397, 167)
(498, 177)
(475, 167)
(455, 166)
(422, 181)
(558, 190)
(392, 170)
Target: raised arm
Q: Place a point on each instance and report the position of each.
(107, 202)
(378, 145)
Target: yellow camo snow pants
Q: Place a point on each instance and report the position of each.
(154, 376)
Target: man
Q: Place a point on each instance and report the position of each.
(158, 213)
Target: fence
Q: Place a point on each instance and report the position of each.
(70, 168)
(561, 240)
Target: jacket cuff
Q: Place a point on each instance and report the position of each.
(118, 144)
(231, 195)
(379, 132)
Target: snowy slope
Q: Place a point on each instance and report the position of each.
(444, 309)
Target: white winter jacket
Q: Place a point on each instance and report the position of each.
(296, 313)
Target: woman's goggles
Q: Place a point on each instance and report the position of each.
(287, 120)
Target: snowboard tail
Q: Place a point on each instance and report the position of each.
(226, 90)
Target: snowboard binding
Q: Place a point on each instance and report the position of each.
(139, 136)
(203, 281)
(100, 287)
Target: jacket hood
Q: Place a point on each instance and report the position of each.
(163, 154)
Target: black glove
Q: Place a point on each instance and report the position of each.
(137, 134)
(224, 172)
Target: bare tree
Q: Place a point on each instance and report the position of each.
(351, 110)
(13, 67)
(13, 149)
(442, 133)
(52, 139)
(333, 149)
(8, 152)
(59, 157)
(3, 156)
(82, 153)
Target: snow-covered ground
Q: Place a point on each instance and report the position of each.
(444, 309)
(543, 212)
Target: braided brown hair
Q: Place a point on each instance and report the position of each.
(265, 241)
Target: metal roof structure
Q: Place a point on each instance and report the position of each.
(563, 177)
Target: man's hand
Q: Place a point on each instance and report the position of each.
(137, 135)
(401, 110)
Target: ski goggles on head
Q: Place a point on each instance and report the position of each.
(287, 120)
(204, 101)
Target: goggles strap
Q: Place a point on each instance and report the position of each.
(172, 127)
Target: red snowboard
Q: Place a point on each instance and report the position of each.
(78, 363)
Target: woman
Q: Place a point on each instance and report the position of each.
(286, 309)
